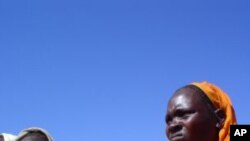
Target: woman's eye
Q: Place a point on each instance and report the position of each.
(167, 119)
(180, 114)
(186, 116)
(183, 114)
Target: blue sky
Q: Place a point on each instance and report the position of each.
(104, 70)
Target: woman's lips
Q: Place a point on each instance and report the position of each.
(176, 137)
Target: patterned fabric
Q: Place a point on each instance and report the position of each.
(8, 137)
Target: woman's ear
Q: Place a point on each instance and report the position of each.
(220, 115)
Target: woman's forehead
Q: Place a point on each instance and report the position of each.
(181, 99)
(185, 98)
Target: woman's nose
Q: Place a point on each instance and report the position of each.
(174, 126)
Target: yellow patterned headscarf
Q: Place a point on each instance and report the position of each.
(220, 100)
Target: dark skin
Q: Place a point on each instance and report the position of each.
(188, 118)
(34, 137)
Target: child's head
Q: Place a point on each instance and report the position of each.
(34, 134)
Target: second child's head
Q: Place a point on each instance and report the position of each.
(34, 134)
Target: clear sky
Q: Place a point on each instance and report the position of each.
(104, 70)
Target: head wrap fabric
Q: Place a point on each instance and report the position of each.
(9, 137)
(31, 130)
(222, 101)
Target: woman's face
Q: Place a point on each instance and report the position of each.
(188, 118)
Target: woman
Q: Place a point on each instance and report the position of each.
(199, 112)
(34, 134)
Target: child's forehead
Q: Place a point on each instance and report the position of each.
(34, 136)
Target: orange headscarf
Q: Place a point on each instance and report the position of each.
(220, 100)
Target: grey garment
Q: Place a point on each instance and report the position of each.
(32, 130)
(8, 137)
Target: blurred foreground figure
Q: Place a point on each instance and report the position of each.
(7, 137)
(34, 134)
(199, 112)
